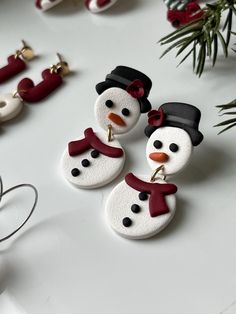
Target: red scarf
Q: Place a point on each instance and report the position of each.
(92, 141)
(157, 191)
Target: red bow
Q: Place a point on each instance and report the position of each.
(156, 117)
(136, 89)
(157, 191)
(92, 141)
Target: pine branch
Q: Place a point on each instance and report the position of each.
(203, 36)
(228, 124)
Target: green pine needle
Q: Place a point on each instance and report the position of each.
(230, 122)
(204, 35)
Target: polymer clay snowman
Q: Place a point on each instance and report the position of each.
(95, 159)
(141, 206)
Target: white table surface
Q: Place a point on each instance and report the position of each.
(67, 260)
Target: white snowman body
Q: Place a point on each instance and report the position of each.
(96, 6)
(47, 4)
(10, 107)
(98, 170)
(124, 204)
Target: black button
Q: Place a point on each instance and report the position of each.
(85, 162)
(157, 144)
(143, 196)
(95, 153)
(135, 208)
(75, 172)
(125, 112)
(174, 147)
(127, 222)
(109, 103)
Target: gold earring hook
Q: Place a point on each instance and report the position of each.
(109, 133)
(16, 93)
(61, 67)
(153, 177)
(26, 52)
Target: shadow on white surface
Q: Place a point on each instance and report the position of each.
(21, 118)
(66, 7)
(9, 305)
(3, 274)
(124, 7)
(207, 163)
(224, 67)
(177, 222)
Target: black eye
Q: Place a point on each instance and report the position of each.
(174, 147)
(157, 144)
(109, 103)
(125, 112)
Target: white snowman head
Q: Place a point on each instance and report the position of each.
(173, 132)
(122, 98)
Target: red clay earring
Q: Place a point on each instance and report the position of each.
(16, 63)
(182, 12)
(11, 104)
(52, 79)
(94, 6)
(97, 6)
(45, 5)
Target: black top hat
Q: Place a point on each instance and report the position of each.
(136, 83)
(178, 115)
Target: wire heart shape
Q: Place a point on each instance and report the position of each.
(19, 186)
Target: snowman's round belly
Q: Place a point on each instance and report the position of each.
(92, 169)
(130, 217)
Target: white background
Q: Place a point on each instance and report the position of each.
(67, 260)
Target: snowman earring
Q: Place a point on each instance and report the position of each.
(16, 63)
(97, 158)
(11, 104)
(141, 206)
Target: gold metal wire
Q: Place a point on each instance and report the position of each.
(153, 177)
(109, 133)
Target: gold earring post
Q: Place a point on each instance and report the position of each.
(26, 52)
(62, 66)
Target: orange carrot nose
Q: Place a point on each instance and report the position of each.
(160, 157)
(116, 119)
